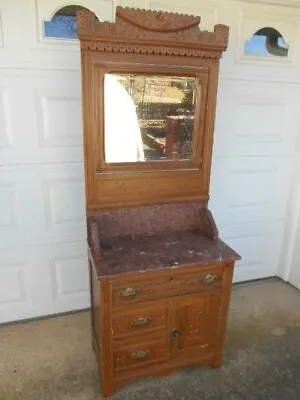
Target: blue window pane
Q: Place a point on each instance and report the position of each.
(257, 46)
(282, 43)
(61, 26)
(266, 42)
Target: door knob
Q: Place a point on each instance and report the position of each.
(175, 332)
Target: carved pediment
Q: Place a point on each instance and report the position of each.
(146, 31)
(157, 21)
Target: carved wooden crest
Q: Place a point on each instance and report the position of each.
(151, 32)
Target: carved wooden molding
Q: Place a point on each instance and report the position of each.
(151, 32)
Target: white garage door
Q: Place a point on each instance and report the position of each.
(43, 262)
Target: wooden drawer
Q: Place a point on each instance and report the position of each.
(172, 284)
(139, 320)
(140, 354)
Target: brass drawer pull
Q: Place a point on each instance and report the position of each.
(129, 292)
(140, 354)
(141, 321)
(209, 279)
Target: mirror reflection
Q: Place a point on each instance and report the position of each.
(148, 117)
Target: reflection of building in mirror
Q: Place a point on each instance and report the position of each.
(122, 141)
(149, 117)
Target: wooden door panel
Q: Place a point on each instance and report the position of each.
(198, 323)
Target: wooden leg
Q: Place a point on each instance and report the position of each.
(217, 361)
(107, 390)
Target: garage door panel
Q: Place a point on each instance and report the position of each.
(253, 272)
(12, 224)
(16, 285)
(16, 122)
(12, 283)
(6, 137)
(69, 274)
(265, 119)
(43, 280)
(248, 189)
(260, 245)
(41, 205)
(40, 117)
(59, 117)
(64, 208)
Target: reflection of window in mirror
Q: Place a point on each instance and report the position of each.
(148, 117)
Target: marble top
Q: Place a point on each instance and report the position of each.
(132, 254)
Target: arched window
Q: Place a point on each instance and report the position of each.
(266, 42)
(63, 25)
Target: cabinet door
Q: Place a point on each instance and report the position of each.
(197, 320)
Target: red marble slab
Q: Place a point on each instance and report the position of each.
(147, 238)
(144, 253)
(152, 219)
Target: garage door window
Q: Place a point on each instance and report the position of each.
(63, 24)
(266, 42)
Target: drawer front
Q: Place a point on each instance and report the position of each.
(140, 320)
(140, 354)
(171, 285)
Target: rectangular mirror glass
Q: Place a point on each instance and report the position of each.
(148, 117)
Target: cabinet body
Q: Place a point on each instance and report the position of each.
(157, 322)
(160, 277)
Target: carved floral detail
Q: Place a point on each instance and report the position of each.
(158, 20)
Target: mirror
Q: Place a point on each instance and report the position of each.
(148, 117)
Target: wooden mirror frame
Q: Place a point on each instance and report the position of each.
(140, 41)
(198, 128)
